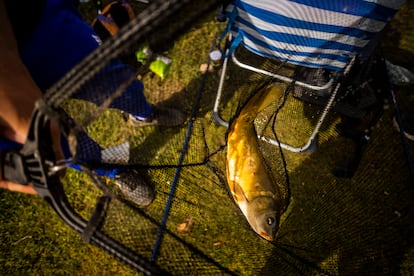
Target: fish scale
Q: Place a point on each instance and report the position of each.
(252, 186)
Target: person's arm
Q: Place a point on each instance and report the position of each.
(18, 93)
(14, 187)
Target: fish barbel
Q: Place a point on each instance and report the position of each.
(252, 187)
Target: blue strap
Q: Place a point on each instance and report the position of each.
(233, 46)
(231, 18)
(236, 42)
(107, 172)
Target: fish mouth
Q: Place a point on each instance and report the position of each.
(266, 236)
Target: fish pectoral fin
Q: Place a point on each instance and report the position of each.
(238, 193)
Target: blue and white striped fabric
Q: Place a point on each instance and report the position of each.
(311, 33)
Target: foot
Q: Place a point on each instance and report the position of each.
(135, 188)
(160, 116)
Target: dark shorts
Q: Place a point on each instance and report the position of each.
(61, 40)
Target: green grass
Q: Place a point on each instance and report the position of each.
(357, 226)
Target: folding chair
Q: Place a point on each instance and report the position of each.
(311, 35)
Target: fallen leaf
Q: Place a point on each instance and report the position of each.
(186, 225)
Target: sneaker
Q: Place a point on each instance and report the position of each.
(407, 120)
(135, 188)
(167, 117)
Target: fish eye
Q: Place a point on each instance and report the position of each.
(270, 220)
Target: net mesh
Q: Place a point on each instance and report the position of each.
(331, 226)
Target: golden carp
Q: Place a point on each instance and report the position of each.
(252, 186)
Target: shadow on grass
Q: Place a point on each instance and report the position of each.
(334, 226)
(169, 140)
(362, 225)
